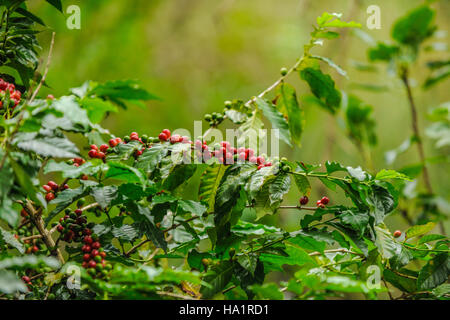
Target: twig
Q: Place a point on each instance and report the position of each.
(36, 218)
(44, 76)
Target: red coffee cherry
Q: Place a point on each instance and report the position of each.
(260, 160)
(112, 143)
(96, 245)
(92, 264)
(397, 233)
(47, 188)
(94, 147)
(86, 257)
(24, 213)
(104, 147)
(88, 240)
(60, 228)
(304, 200)
(26, 279)
(35, 249)
(49, 196)
(162, 137)
(166, 132)
(325, 200)
(92, 153)
(66, 186)
(53, 185)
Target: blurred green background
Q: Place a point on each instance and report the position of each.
(195, 54)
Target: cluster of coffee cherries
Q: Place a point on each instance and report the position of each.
(166, 135)
(32, 277)
(73, 226)
(321, 203)
(52, 189)
(226, 154)
(94, 257)
(14, 95)
(26, 230)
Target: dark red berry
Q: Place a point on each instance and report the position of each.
(53, 185)
(94, 147)
(88, 240)
(325, 200)
(162, 137)
(304, 200)
(92, 264)
(166, 132)
(49, 196)
(104, 147)
(26, 279)
(113, 143)
(96, 245)
(86, 257)
(60, 228)
(78, 212)
(92, 153)
(397, 233)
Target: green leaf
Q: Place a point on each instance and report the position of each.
(125, 232)
(29, 15)
(308, 242)
(25, 181)
(328, 20)
(386, 244)
(56, 3)
(9, 238)
(257, 180)
(97, 108)
(249, 132)
(391, 174)
(414, 27)
(435, 272)
(122, 89)
(179, 175)
(382, 203)
(357, 220)
(322, 86)
(269, 291)
(71, 171)
(271, 194)
(53, 147)
(288, 104)
(401, 283)
(430, 238)
(330, 62)
(276, 119)
(190, 206)
(303, 184)
(120, 171)
(217, 278)
(10, 283)
(383, 52)
(296, 256)
(151, 157)
(419, 230)
(104, 195)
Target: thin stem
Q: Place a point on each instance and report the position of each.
(415, 127)
(270, 88)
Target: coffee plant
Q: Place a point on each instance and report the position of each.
(122, 217)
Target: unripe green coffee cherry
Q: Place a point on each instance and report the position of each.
(144, 138)
(126, 138)
(208, 117)
(228, 104)
(81, 203)
(283, 71)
